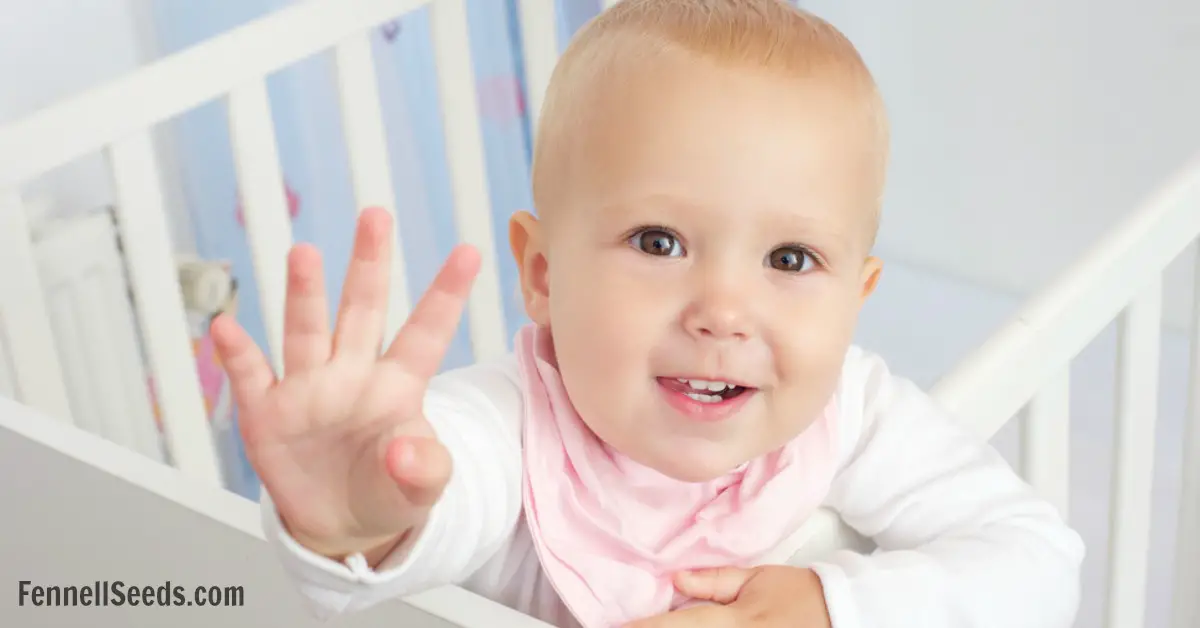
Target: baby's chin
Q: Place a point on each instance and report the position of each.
(682, 457)
(692, 462)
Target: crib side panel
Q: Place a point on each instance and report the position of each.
(232, 70)
(1021, 373)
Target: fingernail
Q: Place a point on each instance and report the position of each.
(408, 456)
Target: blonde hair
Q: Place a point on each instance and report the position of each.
(770, 35)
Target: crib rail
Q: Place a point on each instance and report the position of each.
(117, 119)
(1022, 371)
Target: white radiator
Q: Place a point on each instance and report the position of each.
(88, 300)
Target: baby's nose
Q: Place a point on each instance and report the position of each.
(714, 319)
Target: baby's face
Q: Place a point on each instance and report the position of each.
(713, 232)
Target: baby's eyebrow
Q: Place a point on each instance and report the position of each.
(785, 223)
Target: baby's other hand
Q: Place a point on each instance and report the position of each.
(340, 442)
(762, 597)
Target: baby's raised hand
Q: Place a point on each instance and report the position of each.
(340, 442)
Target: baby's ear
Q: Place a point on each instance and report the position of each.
(525, 239)
(870, 276)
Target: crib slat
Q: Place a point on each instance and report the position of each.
(34, 356)
(539, 39)
(1133, 468)
(468, 175)
(1186, 603)
(264, 204)
(145, 237)
(366, 143)
(1046, 441)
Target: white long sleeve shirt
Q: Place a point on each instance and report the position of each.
(962, 541)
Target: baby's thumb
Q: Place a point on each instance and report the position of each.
(420, 467)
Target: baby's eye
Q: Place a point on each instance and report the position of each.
(791, 259)
(656, 242)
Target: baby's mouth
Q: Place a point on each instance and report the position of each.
(705, 391)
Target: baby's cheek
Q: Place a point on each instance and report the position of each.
(823, 316)
(811, 352)
(591, 327)
(601, 299)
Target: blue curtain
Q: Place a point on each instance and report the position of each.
(312, 153)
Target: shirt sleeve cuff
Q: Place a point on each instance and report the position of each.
(332, 587)
(839, 600)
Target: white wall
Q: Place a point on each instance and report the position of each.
(54, 49)
(1025, 128)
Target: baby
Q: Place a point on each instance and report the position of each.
(707, 178)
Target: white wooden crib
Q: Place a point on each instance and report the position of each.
(1019, 374)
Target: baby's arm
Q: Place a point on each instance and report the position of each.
(963, 541)
(476, 412)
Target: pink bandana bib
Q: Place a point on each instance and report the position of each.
(610, 533)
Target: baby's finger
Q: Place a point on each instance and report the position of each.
(250, 374)
(719, 584)
(363, 308)
(420, 467)
(422, 341)
(306, 318)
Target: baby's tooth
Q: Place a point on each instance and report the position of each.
(716, 386)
